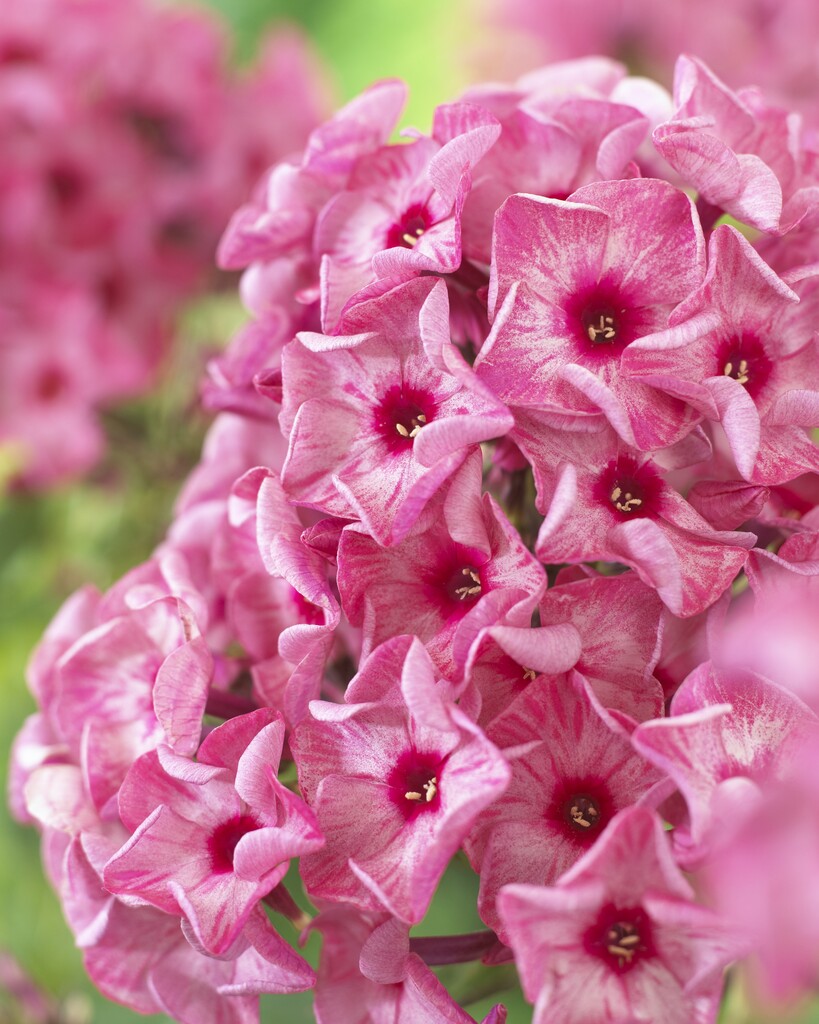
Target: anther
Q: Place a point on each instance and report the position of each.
(414, 796)
(529, 674)
(430, 788)
(604, 331)
(469, 591)
(628, 502)
(411, 238)
(622, 953)
(623, 941)
(579, 819)
(415, 426)
(742, 376)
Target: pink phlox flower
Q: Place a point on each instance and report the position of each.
(741, 155)
(764, 878)
(462, 567)
(775, 632)
(367, 975)
(573, 768)
(417, 771)
(573, 285)
(730, 734)
(620, 623)
(288, 76)
(744, 354)
(119, 692)
(551, 143)
(295, 193)
(148, 960)
(400, 213)
(286, 610)
(687, 643)
(382, 415)
(605, 501)
(253, 355)
(619, 937)
(505, 659)
(211, 837)
(51, 394)
(233, 445)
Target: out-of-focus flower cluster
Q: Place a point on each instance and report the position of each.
(773, 44)
(127, 143)
(503, 542)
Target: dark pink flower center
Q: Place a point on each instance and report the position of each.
(409, 227)
(604, 319)
(415, 783)
(181, 231)
(224, 840)
(456, 581)
(162, 133)
(621, 937)
(51, 384)
(112, 291)
(67, 185)
(630, 490)
(19, 52)
(744, 359)
(404, 411)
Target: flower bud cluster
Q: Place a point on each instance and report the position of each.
(127, 142)
(503, 542)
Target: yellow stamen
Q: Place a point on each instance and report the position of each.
(411, 239)
(431, 788)
(604, 329)
(413, 796)
(742, 376)
(402, 430)
(622, 953)
(467, 591)
(577, 817)
(629, 502)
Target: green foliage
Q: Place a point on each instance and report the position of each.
(425, 42)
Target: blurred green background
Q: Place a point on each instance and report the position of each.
(95, 530)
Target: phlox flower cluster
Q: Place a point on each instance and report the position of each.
(502, 546)
(127, 143)
(771, 43)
